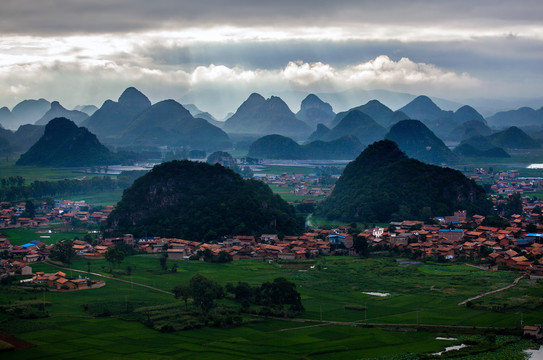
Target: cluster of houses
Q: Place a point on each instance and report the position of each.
(303, 185)
(507, 182)
(518, 246)
(461, 237)
(60, 282)
(63, 211)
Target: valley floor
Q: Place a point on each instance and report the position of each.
(337, 293)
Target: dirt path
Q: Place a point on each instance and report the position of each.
(112, 278)
(320, 323)
(493, 291)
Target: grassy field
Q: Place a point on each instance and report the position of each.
(105, 198)
(420, 293)
(81, 338)
(31, 173)
(21, 236)
(279, 169)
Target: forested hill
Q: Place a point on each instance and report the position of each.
(383, 184)
(199, 201)
(65, 144)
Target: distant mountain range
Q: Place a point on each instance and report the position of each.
(197, 113)
(112, 118)
(442, 123)
(282, 147)
(314, 111)
(63, 143)
(419, 142)
(134, 121)
(87, 109)
(510, 138)
(523, 117)
(22, 139)
(169, 123)
(468, 150)
(25, 112)
(58, 110)
(356, 123)
(258, 115)
(379, 112)
(469, 129)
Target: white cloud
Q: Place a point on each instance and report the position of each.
(384, 71)
(220, 73)
(305, 74)
(379, 72)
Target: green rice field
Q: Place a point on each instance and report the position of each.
(424, 294)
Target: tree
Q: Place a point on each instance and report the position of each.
(243, 292)
(514, 205)
(360, 245)
(113, 256)
(30, 209)
(164, 262)
(184, 292)
(531, 228)
(204, 292)
(279, 294)
(223, 257)
(63, 251)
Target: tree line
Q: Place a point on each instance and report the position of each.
(278, 297)
(14, 188)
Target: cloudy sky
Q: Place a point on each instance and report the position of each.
(216, 52)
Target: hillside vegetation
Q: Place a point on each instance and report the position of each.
(199, 201)
(383, 184)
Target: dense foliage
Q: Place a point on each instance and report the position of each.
(13, 188)
(383, 184)
(62, 251)
(198, 201)
(279, 296)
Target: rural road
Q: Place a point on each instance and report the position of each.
(112, 278)
(493, 291)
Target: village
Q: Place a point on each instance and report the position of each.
(59, 211)
(458, 237)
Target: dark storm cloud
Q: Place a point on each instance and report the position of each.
(102, 16)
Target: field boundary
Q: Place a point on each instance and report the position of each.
(515, 283)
